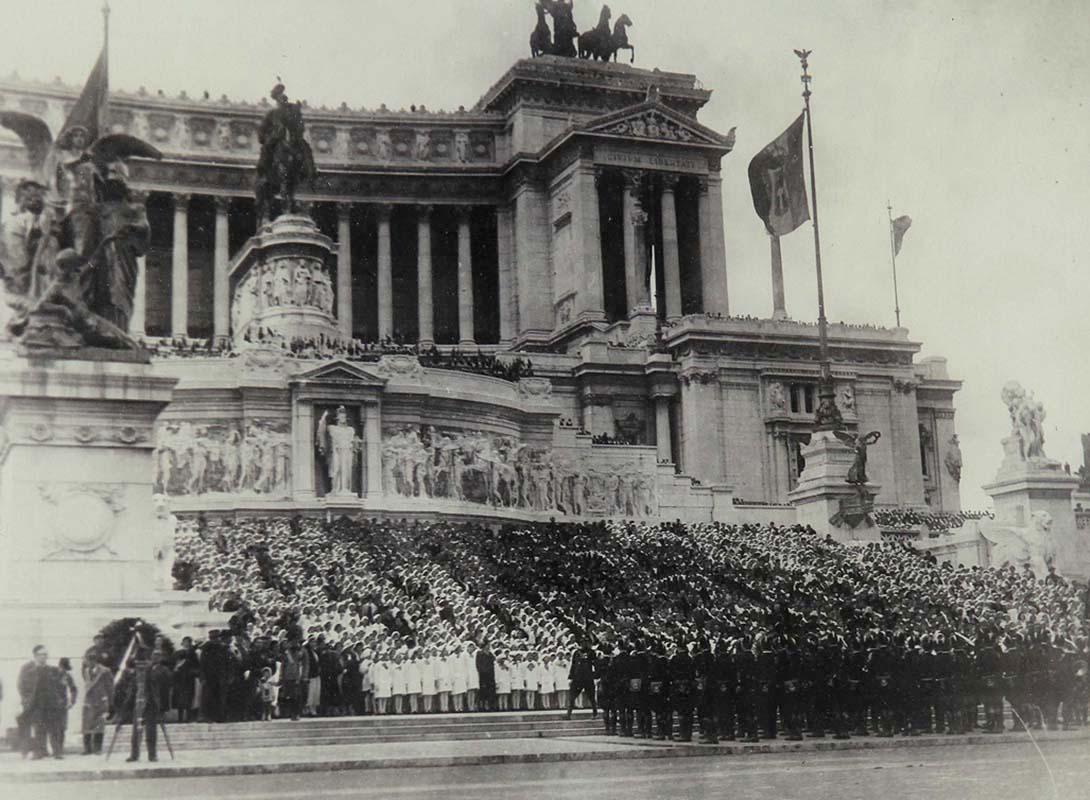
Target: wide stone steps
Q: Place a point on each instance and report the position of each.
(369, 730)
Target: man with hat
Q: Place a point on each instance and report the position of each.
(144, 702)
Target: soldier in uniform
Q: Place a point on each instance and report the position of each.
(608, 692)
(880, 666)
(726, 683)
(706, 691)
(639, 685)
(990, 670)
(766, 699)
(682, 683)
(659, 691)
(746, 689)
(789, 673)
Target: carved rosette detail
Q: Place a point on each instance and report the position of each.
(535, 388)
(82, 518)
(401, 368)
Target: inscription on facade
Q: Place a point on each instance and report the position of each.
(633, 158)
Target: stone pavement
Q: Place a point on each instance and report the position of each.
(387, 755)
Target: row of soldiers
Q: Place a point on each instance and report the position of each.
(744, 688)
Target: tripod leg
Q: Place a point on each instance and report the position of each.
(166, 738)
(113, 739)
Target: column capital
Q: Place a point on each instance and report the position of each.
(424, 212)
(670, 181)
(601, 175)
(222, 203)
(139, 195)
(344, 211)
(634, 179)
(702, 183)
(463, 213)
(384, 210)
(181, 200)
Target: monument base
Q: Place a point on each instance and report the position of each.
(1032, 497)
(823, 498)
(76, 477)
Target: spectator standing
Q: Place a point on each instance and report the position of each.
(503, 682)
(65, 687)
(486, 678)
(186, 669)
(34, 692)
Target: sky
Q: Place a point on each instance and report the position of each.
(970, 117)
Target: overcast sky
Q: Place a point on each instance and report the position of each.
(969, 116)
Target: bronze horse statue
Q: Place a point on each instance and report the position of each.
(540, 39)
(564, 30)
(619, 40)
(286, 160)
(594, 42)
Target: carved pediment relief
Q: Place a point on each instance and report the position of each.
(658, 122)
(339, 371)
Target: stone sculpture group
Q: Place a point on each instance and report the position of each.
(476, 467)
(282, 282)
(1027, 416)
(196, 460)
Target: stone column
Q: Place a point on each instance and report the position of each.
(634, 276)
(425, 303)
(670, 258)
(344, 269)
(385, 278)
(221, 303)
(138, 320)
(302, 461)
(713, 253)
(372, 435)
(533, 288)
(465, 280)
(179, 271)
(587, 234)
(662, 429)
(506, 274)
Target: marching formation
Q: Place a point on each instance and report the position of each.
(740, 631)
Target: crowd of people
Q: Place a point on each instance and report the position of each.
(751, 629)
(935, 521)
(323, 347)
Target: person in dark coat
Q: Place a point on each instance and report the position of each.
(97, 695)
(151, 681)
(186, 669)
(486, 677)
(64, 687)
(213, 662)
(581, 678)
(34, 693)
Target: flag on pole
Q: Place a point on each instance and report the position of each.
(900, 227)
(777, 183)
(90, 110)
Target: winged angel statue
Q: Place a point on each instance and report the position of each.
(857, 473)
(68, 253)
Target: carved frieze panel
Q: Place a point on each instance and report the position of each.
(202, 131)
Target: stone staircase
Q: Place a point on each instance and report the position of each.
(367, 730)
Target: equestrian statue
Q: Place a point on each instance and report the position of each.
(600, 43)
(286, 160)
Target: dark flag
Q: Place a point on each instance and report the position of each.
(900, 227)
(90, 110)
(776, 180)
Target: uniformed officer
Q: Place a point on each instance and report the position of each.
(659, 691)
(726, 680)
(706, 691)
(682, 684)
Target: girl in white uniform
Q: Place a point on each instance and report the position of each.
(503, 682)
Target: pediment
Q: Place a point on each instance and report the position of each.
(339, 371)
(655, 121)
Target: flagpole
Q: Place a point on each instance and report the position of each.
(106, 34)
(827, 416)
(893, 259)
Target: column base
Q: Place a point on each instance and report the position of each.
(467, 343)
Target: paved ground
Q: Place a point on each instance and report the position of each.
(957, 772)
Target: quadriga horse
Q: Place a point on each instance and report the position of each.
(596, 41)
(540, 39)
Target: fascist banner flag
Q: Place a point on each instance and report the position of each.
(900, 227)
(90, 110)
(777, 184)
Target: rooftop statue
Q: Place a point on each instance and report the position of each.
(599, 43)
(68, 254)
(286, 160)
(1027, 417)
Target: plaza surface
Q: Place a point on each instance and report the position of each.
(1010, 767)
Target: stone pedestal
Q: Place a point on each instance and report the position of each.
(1022, 490)
(281, 281)
(824, 499)
(76, 473)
